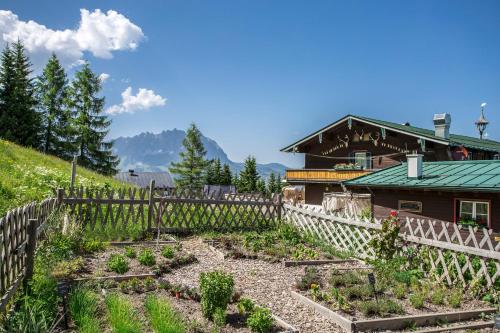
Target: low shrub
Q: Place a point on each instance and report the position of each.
(302, 252)
(93, 245)
(261, 320)
(117, 263)
(455, 298)
(358, 292)
(417, 300)
(149, 284)
(168, 252)
(437, 296)
(130, 252)
(219, 317)
(146, 257)
(399, 291)
(216, 289)
(381, 308)
(345, 279)
(68, 268)
(245, 306)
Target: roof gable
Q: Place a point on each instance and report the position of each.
(454, 140)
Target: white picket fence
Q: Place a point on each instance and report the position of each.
(458, 252)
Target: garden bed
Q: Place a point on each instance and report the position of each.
(357, 304)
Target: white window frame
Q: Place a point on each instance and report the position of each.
(474, 203)
(367, 158)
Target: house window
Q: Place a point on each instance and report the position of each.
(363, 159)
(474, 212)
(410, 206)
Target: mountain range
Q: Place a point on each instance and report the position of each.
(154, 152)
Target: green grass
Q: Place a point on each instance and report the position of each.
(83, 304)
(121, 315)
(27, 175)
(162, 317)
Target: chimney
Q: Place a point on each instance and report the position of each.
(442, 122)
(415, 165)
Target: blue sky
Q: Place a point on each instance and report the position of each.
(258, 75)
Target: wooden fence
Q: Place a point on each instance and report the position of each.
(19, 230)
(147, 209)
(458, 254)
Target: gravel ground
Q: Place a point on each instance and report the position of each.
(266, 283)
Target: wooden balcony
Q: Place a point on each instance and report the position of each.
(322, 175)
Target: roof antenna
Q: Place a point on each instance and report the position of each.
(481, 123)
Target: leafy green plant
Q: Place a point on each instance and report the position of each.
(83, 306)
(68, 268)
(310, 277)
(146, 257)
(117, 263)
(345, 279)
(455, 298)
(216, 289)
(93, 245)
(261, 320)
(149, 284)
(168, 252)
(162, 317)
(381, 308)
(245, 306)
(289, 234)
(130, 252)
(135, 285)
(302, 253)
(384, 242)
(358, 292)
(417, 300)
(121, 315)
(219, 317)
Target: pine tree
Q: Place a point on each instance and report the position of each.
(271, 183)
(192, 165)
(279, 185)
(261, 187)
(210, 173)
(249, 175)
(236, 182)
(217, 172)
(57, 131)
(7, 88)
(19, 122)
(226, 176)
(91, 126)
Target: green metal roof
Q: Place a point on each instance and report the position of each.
(454, 139)
(446, 175)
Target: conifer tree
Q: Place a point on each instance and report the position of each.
(210, 173)
(190, 169)
(249, 175)
(217, 172)
(271, 183)
(19, 122)
(91, 125)
(57, 131)
(279, 185)
(261, 187)
(226, 176)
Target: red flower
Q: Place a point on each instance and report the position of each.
(394, 213)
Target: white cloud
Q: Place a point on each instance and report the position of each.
(144, 99)
(104, 77)
(98, 33)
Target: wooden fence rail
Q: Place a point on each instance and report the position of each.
(458, 254)
(146, 209)
(19, 229)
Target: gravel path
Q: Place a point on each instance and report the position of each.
(266, 283)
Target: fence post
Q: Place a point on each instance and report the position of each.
(280, 206)
(60, 196)
(151, 202)
(73, 175)
(30, 250)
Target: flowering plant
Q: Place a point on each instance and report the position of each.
(384, 242)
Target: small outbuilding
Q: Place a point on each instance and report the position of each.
(163, 180)
(464, 192)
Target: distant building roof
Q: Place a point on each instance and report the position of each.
(453, 140)
(143, 179)
(446, 175)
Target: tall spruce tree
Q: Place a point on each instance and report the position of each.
(249, 175)
(91, 125)
(226, 176)
(57, 137)
(19, 121)
(190, 169)
(261, 187)
(271, 184)
(279, 185)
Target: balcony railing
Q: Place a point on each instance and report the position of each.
(322, 175)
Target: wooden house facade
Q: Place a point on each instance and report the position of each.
(355, 146)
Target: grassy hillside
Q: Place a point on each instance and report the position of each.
(26, 175)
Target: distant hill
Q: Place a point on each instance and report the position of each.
(27, 175)
(154, 152)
